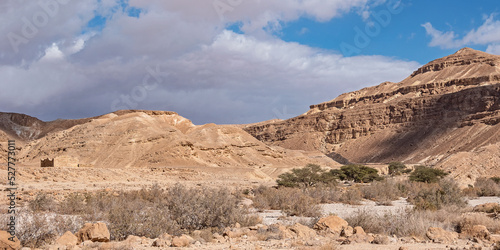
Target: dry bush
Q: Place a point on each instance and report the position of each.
(434, 196)
(382, 192)
(352, 196)
(469, 220)
(195, 209)
(325, 193)
(291, 201)
(403, 223)
(42, 203)
(487, 187)
(37, 229)
(74, 203)
(146, 212)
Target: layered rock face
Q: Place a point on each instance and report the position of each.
(445, 108)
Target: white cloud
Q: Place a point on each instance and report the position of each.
(486, 34)
(493, 49)
(214, 75)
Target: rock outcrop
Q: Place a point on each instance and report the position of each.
(447, 109)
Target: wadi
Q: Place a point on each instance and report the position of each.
(407, 165)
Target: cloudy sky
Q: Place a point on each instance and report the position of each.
(221, 61)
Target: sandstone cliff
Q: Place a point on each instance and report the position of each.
(447, 109)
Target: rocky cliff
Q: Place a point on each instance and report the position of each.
(446, 108)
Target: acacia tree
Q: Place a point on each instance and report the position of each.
(307, 176)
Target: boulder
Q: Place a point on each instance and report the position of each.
(494, 238)
(7, 244)
(67, 239)
(347, 232)
(95, 232)
(332, 223)
(381, 240)
(439, 235)
(303, 232)
(182, 241)
(133, 240)
(164, 240)
(360, 236)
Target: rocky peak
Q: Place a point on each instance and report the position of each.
(464, 69)
(465, 56)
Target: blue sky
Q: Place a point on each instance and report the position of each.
(222, 61)
(404, 37)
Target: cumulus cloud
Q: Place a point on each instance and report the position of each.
(486, 34)
(178, 56)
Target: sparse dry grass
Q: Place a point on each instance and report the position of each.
(469, 220)
(405, 223)
(146, 212)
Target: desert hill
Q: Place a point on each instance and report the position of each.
(151, 139)
(446, 114)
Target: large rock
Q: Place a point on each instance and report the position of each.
(303, 232)
(182, 241)
(164, 240)
(332, 223)
(6, 244)
(95, 232)
(67, 239)
(439, 235)
(360, 236)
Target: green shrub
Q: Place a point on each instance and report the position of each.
(427, 174)
(356, 173)
(307, 176)
(398, 168)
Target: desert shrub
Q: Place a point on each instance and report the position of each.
(74, 203)
(486, 187)
(324, 193)
(398, 168)
(496, 179)
(467, 221)
(427, 174)
(435, 196)
(41, 203)
(35, 229)
(352, 196)
(197, 209)
(404, 222)
(151, 212)
(307, 176)
(291, 201)
(356, 173)
(132, 218)
(382, 192)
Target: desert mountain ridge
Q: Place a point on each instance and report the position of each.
(144, 139)
(445, 114)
